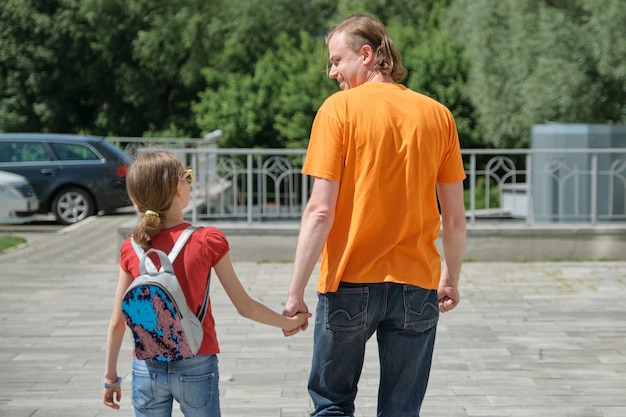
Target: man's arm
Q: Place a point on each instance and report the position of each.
(316, 223)
(453, 239)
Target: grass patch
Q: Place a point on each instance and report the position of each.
(9, 241)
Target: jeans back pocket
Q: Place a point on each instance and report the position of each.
(421, 309)
(345, 311)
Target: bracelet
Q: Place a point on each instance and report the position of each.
(111, 384)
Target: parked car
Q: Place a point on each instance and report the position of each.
(18, 202)
(73, 176)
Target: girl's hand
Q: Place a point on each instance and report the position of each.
(111, 397)
(298, 320)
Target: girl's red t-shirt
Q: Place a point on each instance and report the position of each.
(204, 249)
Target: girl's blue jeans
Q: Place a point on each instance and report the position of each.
(404, 318)
(193, 383)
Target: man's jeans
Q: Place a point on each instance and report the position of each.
(192, 382)
(404, 318)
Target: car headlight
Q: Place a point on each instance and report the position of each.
(9, 191)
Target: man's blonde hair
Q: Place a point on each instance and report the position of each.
(364, 29)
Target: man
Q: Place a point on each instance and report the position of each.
(381, 156)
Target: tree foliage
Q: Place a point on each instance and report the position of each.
(257, 70)
(96, 66)
(276, 104)
(25, 53)
(402, 11)
(438, 68)
(535, 62)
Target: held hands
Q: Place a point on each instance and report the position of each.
(298, 310)
(298, 320)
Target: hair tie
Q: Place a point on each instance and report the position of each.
(151, 213)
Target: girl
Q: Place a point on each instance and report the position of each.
(159, 187)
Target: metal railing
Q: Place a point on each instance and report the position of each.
(249, 184)
(520, 185)
(547, 185)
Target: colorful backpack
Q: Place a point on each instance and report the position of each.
(155, 309)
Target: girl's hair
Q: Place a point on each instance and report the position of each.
(364, 29)
(152, 181)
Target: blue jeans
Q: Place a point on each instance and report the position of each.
(192, 382)
(404, 318)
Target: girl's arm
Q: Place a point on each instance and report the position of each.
(115, 336)
(248, 307)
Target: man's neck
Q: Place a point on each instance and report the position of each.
(378, 77)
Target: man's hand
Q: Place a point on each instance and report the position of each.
(449, 298)
(293, 307)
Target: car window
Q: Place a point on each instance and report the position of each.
(73, 152)
(29, 152)
(6, 152)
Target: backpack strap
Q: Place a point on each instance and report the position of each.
(146, 262)
(166, 265)
(180, 242)
(202, 313)
(182, 239)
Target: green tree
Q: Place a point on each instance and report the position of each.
(405, 12)
(534, 62)
(235, 108)
(250, 28)
(31, 66)
(607, 35)
(96, 66)
(275, 106)
(154, 55)
(298, 69)
(434, 61)
(256, 70)
(437, 67)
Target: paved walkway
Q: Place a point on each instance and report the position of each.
(529, 339)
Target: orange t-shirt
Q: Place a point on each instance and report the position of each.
(204, 249)
(388, 146)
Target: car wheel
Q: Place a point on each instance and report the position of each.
(72, 205)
